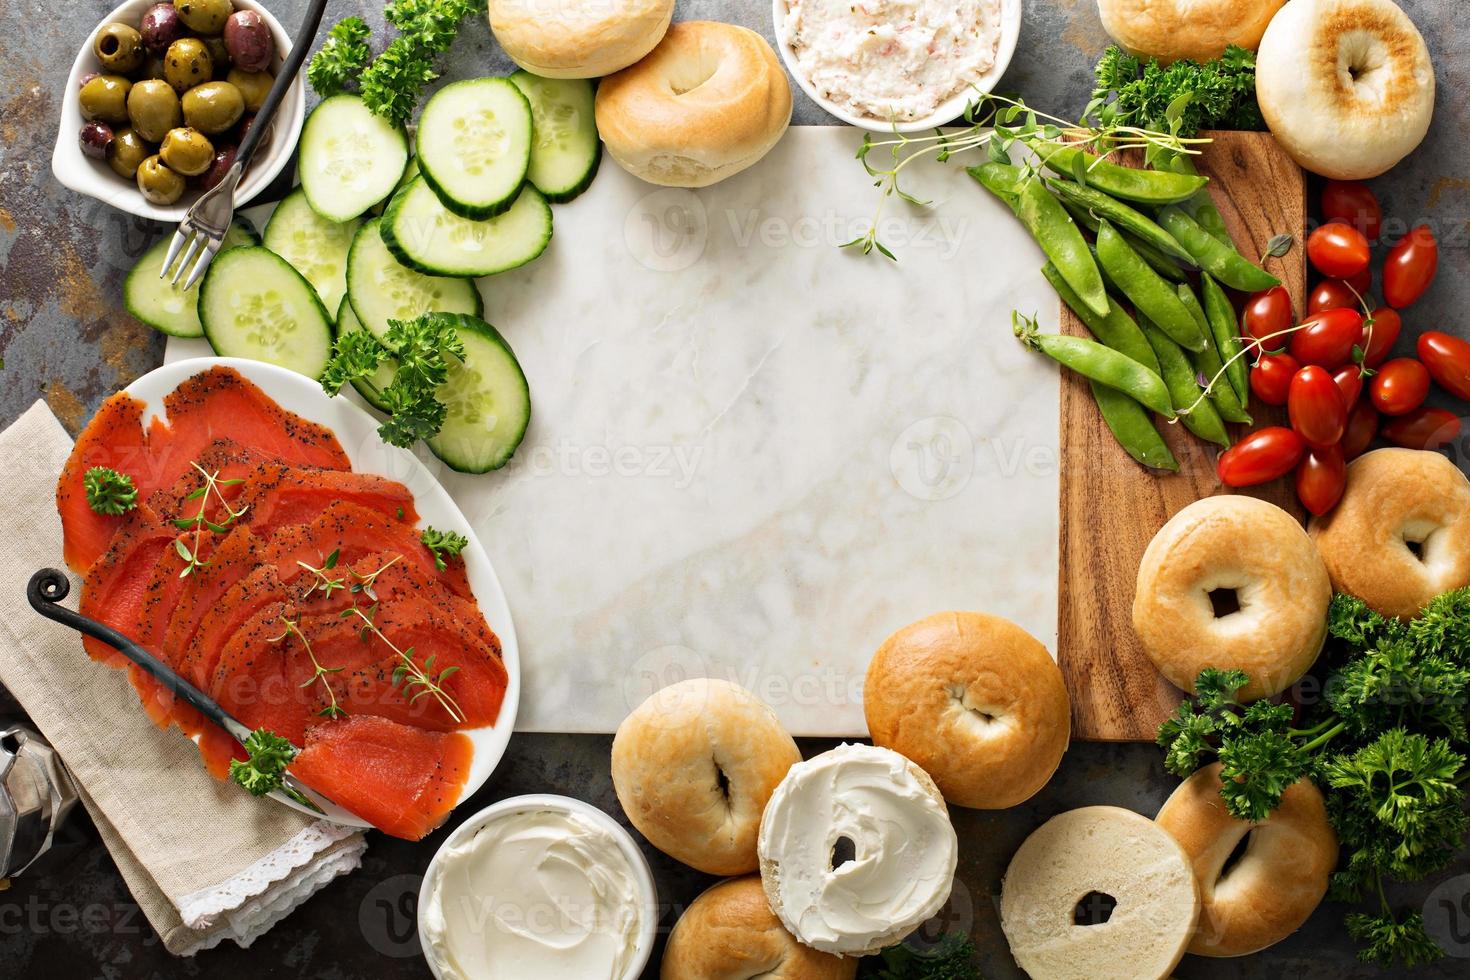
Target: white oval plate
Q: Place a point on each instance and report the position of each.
(357, 431)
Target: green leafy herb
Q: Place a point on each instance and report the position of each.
(443, 543)
(417, 681)
(343, 56)
(265, 770)
(424, 349)
(1182, 98)
(1278, 246)
(951, 958)
(319, 673)
(109, 492)
(200, 522)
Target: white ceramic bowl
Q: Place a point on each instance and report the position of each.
(948, 111)
(81, 173)
(647, 892)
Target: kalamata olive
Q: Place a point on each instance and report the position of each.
(96, 136)
(204, 16)
(187, 151)
(119, 48)
(106, 98)
(87, 77)
(213, 107)
(220, 55)
(249, 41)
(254, 86)
(127, 151)
(154, 109)
(224, 159)
(160, 27)
(187, 64)
(159, 184)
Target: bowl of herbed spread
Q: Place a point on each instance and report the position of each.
(896, 65)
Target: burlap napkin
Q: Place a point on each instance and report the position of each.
(205, 861)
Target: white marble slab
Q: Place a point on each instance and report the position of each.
(753, 455)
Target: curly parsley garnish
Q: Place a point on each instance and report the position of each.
(442, 543)
(343, 56)
(109, 492)
(1183, 97)
(265, 770)
(423, 351)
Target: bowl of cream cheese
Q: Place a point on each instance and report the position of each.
(538, 886)
(896, 65)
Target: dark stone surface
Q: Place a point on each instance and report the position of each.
(64, 337)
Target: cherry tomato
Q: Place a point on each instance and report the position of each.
(1316, 407)
(1362, 426)
(1352, 202)
(1321, 478)
(1400, 386)
(1331, 294)
(1349, 379)
(1378, 339)
(1410, 267)
(1266, 315)
(1328, 338)
(1448, 361)
(1425, 428)
(1338, 250)
(1260, 457)
(1271, 378)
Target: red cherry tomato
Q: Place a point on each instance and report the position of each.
(1362, 426)
(1331, 294)
(1352, 202)
(1410, 267)
(1349, 379)
(1338, 250)
(1448, 361)
(1271, 378)
(1260, 457)
(1328, 338)
(1378, 339)
(1400, 386)
(1425, 428)
(1316, 407)
(1267, 315)
(1321, 478)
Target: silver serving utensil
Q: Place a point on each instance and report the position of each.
(203, 228)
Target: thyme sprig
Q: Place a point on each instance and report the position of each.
(293, 628)
(420, 680)
(199, 523)
(323, 582)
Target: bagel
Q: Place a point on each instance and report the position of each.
(693, 767)
(1396, 498)
(1257, 552)
(1277, 882)
(730, 933)
(975, 701)
(709, 101)
(1099, 850)
(888, 813)
(1346, 86)
(1169, 30)
(576, 39)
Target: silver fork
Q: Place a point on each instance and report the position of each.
(203, 228)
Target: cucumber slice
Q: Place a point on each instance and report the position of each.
(488, 402)
(371, 388)
(424, 235)
(474, 145)
(565, 149)
(381, 288)
(350, 158)
(315, 247)
(253, 304)
(164, 306)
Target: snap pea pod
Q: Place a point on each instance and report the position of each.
(1178, 374)
(1153, 187)
(1127, 219)
(1221, 314)
(1098, 363)
(1117, 330)
(1146, 289)
(1160, 262)
(1208, 363)
(1200, 207)
(1214, 256)
(1131, 426)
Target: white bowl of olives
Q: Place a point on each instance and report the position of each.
(160, 95)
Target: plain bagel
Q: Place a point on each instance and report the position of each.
(709, 101)
(693, 767)
(578, 39)
(1395, 499)
(730, 933)
(976, 701)
(1346, 86)
(1238, 545)
(1278, 881)
(1199, 30)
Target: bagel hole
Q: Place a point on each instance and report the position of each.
(723, 782)
(1094, 909)
(956, 693)
(1241, 846)
(1225, 602)
(843, 851)
(687, 81)
(1416, 548)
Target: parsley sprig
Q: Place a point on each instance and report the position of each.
(951, 958)
(1183, 97)
(442, 543)
(109, 492)
(345, 53)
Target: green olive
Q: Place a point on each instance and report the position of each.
(153, 108)
(254, 86)
(159, 184)
(213, 107)
(219, 55)
(119, 48)
(187, 63)
(187, 151)
(204, 16)
(126, 152)
(106, 98)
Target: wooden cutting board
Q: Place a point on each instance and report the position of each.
(1111, 507)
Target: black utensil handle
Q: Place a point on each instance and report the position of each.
(290, 68)
(49, 587)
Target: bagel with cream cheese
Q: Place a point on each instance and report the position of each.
(575, 38)
(1169, 30)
